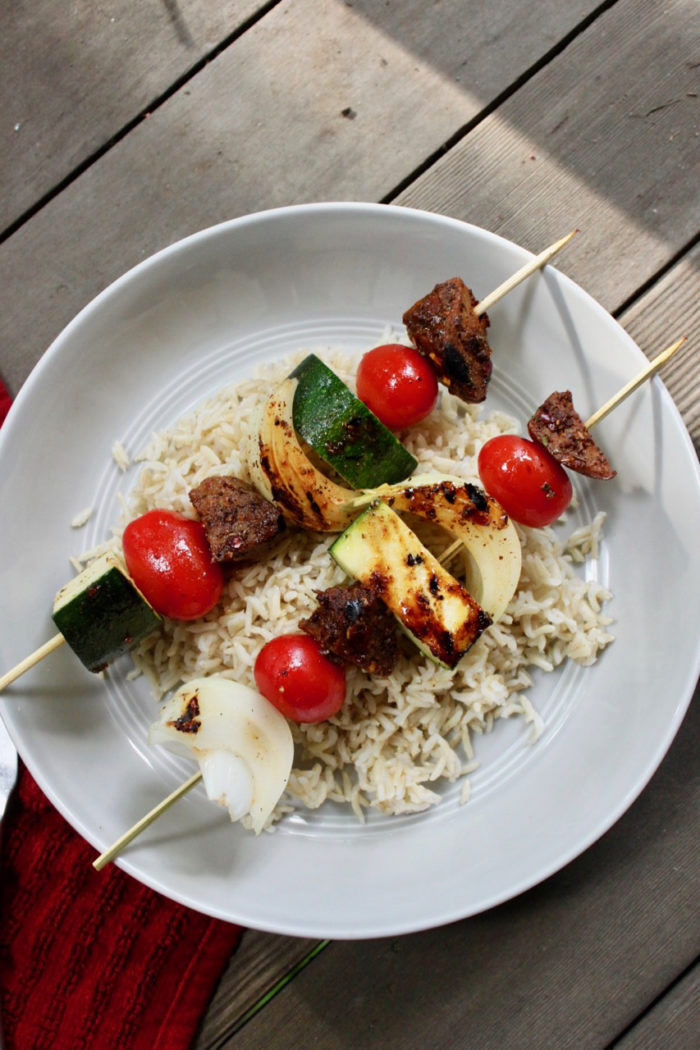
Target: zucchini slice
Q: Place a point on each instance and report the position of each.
(342, 430)
(434, 609)
(101, 614)
(487, 535)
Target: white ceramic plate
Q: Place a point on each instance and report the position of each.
(199, 315)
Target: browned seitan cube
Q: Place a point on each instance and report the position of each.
(444, 328)
(240, 524)
(557, 425)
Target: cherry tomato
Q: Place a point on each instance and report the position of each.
(397, 384)
(526, 479)
(169, 560)
(294, 674)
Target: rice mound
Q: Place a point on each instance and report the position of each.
(396, 736)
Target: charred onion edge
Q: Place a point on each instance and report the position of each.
(281, 471)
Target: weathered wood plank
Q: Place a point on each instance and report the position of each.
(260, 961)
(74, 74)
(603, 138)
(668, 311)
(283, 115)
(673, 1023)
(572, 962)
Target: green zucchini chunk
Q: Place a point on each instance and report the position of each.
(434, 609)
(101, 614)
(342, 430)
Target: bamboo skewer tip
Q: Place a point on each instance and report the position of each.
(646, 373)
(536, 263)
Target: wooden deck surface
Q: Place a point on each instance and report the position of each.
(128, 126)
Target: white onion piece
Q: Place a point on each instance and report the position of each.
(498, 561)
(281, 470)
(495, 552)
(242, 743)
(228, 782)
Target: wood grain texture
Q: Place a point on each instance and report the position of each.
(603, 138)
(672, 1023)
(71, 82)
(261, 960)
(284, 115)
(669, 310)
(527, 974)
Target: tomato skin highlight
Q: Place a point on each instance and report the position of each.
(296, 677)
(398, 384)
(531, 486)
(169, 560)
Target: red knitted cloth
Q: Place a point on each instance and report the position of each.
(93, 959)
(5, 402)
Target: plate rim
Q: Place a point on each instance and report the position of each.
(182, 245)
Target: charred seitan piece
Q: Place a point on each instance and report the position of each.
(239, 523)
(557, 425)
(444, 328)
(354, 624)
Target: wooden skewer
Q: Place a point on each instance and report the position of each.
(624, 392)
(604, 410)
(520, 275)
(534, 264)
(140, 825)
(628, 388)
(448, 553)
(29, 661)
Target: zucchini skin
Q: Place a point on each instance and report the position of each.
(105, 619)
(433, 608)
(343, 431)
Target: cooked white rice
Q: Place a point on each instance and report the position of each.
(120, 456)
(396, 737)
(82, 518)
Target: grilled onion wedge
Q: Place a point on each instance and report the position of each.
(282, 471)
(242, 743)
(436, 611)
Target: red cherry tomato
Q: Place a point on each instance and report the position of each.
(294, 675)
(397, 384)
(169, 560)
(526, 479)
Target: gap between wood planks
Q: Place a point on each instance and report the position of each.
(222, 46)
(142, 115)
(504, 95)
(651, 281)
(279, 985)
(675, 983)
